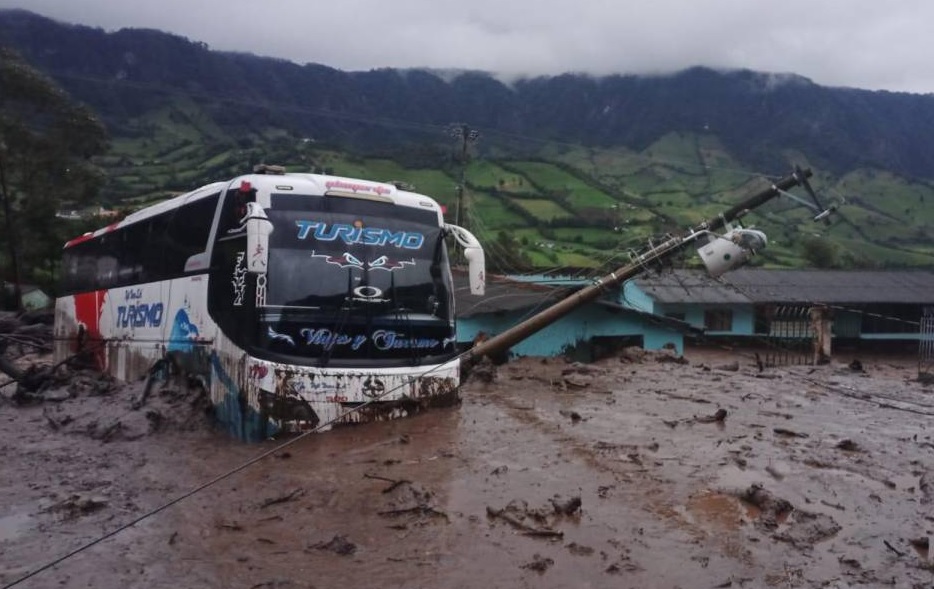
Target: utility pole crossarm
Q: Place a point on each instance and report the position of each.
(507, 339)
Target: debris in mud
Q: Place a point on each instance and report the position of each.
(670, 356)
(892, 548)
(105, 432)
(338, 545)
(89, 383)
(730, 367)
(922, 545)
(229, 525)
(848, 446)
(280, 584)
(927, 490)
(515, 517)
(539, 564)
(568, 506)
(802, 529)
(625, 566)
(410, 499)
(781, 431)
(574, 416)
(77, 505)
(632, 354)
(579, 549)
(579, 375)
(484, 370)
(718, 417)
(284, 498)
(581, 368)
(772, 509)
(577, 381)
(806, 529)
(539, 522)
(393, 483)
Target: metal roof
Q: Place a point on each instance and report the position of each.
(503, 294)
(759, 285)
(688, 286)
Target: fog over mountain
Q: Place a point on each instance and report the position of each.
(758, 117)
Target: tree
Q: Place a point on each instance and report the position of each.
(46, 145)
(819, 252)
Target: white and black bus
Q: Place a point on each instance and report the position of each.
(292, 297)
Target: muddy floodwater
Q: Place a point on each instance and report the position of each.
(644, 470)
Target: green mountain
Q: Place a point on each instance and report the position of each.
(569, 170)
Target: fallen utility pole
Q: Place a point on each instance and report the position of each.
(502, 342)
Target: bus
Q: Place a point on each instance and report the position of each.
(292, 298)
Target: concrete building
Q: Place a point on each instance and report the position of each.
(863, 305)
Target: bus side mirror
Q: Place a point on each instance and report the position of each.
(258, 228)
(473, 252)
(476, 270)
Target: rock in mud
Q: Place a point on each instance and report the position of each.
(806, 529)
(338, 545)
(848, 446)
(539, 564)
(568, 506)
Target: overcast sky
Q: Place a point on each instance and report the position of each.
(872, 44)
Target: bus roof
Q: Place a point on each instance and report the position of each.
(299, 183)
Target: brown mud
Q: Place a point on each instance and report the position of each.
(639, 471)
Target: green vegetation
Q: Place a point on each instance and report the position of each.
(583, 208)
(580, 208)
(46, 143)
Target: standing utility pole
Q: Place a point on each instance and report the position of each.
(467, 137)
(502, 342)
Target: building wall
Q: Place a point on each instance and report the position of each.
(743, 317)
(635, 298)
(579, 326)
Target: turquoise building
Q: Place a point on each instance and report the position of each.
(661, 310)
(589, 332)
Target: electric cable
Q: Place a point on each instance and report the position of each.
(227, 474)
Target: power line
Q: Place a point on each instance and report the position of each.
(227, 474)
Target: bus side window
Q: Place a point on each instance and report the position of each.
(77, 274)
(107, 265)
(132, 248)
(152, 248)
(187, 233)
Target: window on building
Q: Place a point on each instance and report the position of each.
(718, 320)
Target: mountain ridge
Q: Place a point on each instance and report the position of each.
(757, 115)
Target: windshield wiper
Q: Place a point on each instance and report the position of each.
(403, 313)
(340, 321)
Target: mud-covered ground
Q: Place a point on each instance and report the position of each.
(637, 471)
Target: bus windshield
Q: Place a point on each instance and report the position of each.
(356, 279)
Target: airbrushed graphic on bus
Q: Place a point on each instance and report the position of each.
(287, 302)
